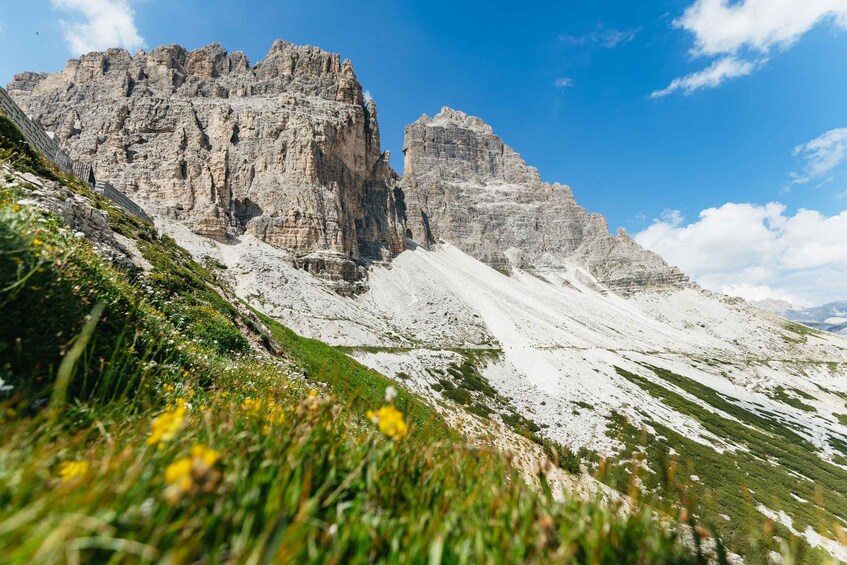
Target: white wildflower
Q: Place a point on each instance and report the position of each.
(147, 507)
(390, 394)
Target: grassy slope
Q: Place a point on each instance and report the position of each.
(298, 476)
(768, 470)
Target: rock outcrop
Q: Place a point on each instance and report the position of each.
(464, 185)
(287, 149)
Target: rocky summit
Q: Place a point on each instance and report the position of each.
(286, 149)
(464, 185)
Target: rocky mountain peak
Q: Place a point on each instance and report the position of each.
(464, 185)
(463, 147)
(448, 117)
(286, 149)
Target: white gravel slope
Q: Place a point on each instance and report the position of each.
(560, 338)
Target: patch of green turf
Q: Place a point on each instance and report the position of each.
(764, 471)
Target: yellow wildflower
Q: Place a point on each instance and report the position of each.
(167, 425)
(275, 415)
(390, 422)
(252, 406)
(205, 456)
(37, 242)
(178, 474)
(70, 470)
(193, 473)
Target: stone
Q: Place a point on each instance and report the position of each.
(463, 185)
(79, 214)
(286, 149)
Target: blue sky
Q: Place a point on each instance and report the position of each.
(585, 92)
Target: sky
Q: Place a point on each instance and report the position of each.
(714, 132)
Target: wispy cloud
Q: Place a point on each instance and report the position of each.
(715, 74)
(741, 34)
(98, 25)
(604, 37)
(672, 217)
(822, 155)
(367, 95)
(564, 82)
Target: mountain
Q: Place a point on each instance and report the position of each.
(286, 150)
(819, 313)
(464, 185)
(831, 317)
(774, 305)
(488, 293)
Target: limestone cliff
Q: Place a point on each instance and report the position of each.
(286, 149)
(464, 185)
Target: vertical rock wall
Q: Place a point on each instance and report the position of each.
(286, 149)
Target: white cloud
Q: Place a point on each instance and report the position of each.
(721, 27)
(719, 71)
(757, 293)
(746, 248)
(822, 155)
(672, 217)
(746, 31)
(99, 25)
(606, 38)
(367, 95)
(563, 82)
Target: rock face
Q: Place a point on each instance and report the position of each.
(286, 149)
(464, 185)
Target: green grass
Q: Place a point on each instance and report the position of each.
(798, 333)
(361, 387)
(780, 394)
(734, 483)
(300, 475)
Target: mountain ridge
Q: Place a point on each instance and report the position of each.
(288, 150)
(829, 317)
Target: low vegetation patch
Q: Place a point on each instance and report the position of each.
(774, 467)
(779, 393)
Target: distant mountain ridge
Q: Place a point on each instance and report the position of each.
(830, 317)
